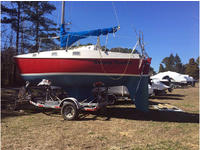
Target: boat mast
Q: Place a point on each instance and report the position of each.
(63, 13)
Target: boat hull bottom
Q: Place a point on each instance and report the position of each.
(80, 86)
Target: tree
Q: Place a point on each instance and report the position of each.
(197, 60)
(192, 69)
(28, 21)
(123, 50)
(161, 68)
(172, 63)
(13, 17)
(169, 63)
(179, 67)
(41, 25)
(151, 71)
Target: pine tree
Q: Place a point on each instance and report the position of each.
(197, 60)
(151, 71)
(169, 63)
(179, 67)
(42, 26)
(172, 63)
(29, 21)
(12, 16)
(161, 68)
(192, 69)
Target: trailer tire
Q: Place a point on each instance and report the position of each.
(112, 99)
(69, 111)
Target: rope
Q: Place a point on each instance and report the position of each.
(115, 13)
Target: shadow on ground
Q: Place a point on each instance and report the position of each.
(169, 97)
(151, 115)
(24, 110)
(124, 112)
(130, 113)
(120, 113)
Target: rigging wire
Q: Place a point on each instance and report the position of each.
(106, 42)
(58, 16)
(69, 11)
(115, 14)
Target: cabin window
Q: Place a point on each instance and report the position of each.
(54, 54)
(76, 53)
(34, 55)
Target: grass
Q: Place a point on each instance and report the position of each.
(126, 129)
(164, 145)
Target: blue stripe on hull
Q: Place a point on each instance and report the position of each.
(80, 86)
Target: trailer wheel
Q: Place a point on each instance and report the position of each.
(112, 99)
(69, 111)
(170, 89)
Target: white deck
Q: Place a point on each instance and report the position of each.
(82, 52)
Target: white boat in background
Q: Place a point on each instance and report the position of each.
(158, 87)
(150, 90)
(123, 93)
(190, 80)
(175, 78)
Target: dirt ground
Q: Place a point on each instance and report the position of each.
(125, 128)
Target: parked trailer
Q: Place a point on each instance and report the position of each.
(70, 107)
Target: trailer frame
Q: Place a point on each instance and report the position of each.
(70, 107)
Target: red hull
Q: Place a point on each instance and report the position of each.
(110, 66)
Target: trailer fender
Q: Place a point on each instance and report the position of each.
(70, 99)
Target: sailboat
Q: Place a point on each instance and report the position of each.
(76, 69)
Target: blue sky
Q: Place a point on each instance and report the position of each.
(168, 27)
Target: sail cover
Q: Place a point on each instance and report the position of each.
(68, 38)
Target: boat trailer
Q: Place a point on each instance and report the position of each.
(70, 107)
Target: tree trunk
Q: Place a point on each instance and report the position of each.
(37, 31)
(17, 40)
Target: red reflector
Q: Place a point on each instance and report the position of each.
(40, 105)
(57, 107)
(90, 109)
(149, 60)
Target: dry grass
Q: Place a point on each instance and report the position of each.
(125, 128)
